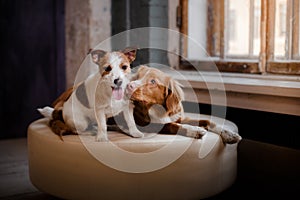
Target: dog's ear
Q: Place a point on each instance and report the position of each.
(97, 54)
(174, 96)
(130, 53)
(142, 68)
(137, 72)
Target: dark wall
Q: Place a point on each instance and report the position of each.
(32, 61)
(131, 14)
(267, 127)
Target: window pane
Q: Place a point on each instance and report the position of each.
(197, 29)
(298, 56)
(243, 28)
(256, 27)
(281, 44)
(237, 27)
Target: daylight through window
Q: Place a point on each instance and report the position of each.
(251, 36)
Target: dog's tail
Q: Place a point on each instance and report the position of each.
(46, 112)
(56, 122)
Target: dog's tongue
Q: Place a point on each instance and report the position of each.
(117, 93)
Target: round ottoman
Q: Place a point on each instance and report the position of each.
(155, 167)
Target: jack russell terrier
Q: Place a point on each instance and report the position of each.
(100, 96)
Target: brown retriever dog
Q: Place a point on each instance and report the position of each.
(158, 103)
(157, 100)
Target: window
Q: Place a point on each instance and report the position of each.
(248, 36)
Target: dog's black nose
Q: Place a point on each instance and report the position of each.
(118, 82)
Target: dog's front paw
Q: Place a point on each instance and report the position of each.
(194, 131)
(230, 137)
(136, 133)
(101, 138)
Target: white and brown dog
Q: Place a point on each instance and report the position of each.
(100, 96)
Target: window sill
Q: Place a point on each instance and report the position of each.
(271, 93)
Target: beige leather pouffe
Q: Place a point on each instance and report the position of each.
(154, 167)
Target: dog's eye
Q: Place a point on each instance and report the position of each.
(108, 68)
(124, 67)
(153, 82)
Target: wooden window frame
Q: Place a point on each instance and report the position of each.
(266, 62)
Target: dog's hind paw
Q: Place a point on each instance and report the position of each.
(101, 138)
(230, 137)
(194, 131)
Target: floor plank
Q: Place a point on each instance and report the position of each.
(14, 178)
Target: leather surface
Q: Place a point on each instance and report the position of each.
(72, 169)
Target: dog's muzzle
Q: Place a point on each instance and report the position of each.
(118, 82)
(117, 91)
(130, 88)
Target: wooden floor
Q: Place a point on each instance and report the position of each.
(14, 177)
